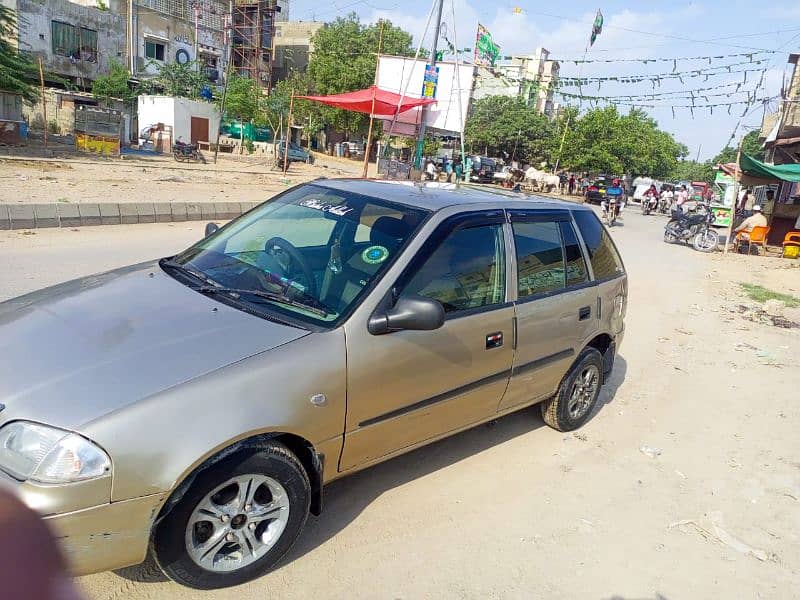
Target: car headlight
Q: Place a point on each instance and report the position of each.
(49, 455)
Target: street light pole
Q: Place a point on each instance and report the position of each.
(426, 108)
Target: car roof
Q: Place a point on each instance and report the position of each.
(433, 197)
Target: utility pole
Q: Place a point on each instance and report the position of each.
(132, 45)
(196, 34)
(44, 102)
(229, 33)
(426, 108)
(368, 145)
(736, 175)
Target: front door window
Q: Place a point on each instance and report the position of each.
(466, 271)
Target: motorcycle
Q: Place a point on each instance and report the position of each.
(611, 212)
(663, 205)
(694, 228)
(186, 152)
(649, 204)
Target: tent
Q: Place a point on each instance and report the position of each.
(372, 101)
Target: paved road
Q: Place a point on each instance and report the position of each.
(517, 510)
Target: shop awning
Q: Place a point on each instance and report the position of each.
(386, 102)
(755, 172)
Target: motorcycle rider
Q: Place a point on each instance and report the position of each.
(666, 198)
(615, 192)
(651, 196)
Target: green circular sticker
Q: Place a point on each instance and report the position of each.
(375, 255)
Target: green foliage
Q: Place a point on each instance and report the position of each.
(762, 294)
(503, 126)
(114, 84)
(603, 140)
(175, 79)
(17, 70)
(750, 145)
(243, 99)
(690, 170)
(344, 60)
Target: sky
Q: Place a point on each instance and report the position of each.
(635, 31)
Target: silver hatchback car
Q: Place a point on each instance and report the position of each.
(194, 407)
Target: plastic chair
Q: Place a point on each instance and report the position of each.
(756, 237)
(791, 243)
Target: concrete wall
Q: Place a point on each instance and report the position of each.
(61, 111)
(35, 35)
(178, 113)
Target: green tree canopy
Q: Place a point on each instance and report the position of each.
(750, 145)
(243, 99)
(344, 60)
(176, 79)
(603, 140)
(17, 71)
(507, 127)
(690, 170)
(114, 85)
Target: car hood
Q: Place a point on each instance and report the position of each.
(72, 353)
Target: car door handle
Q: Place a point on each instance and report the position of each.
(584, 313)
(494, 340)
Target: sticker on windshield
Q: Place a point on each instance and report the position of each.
(375, 255)
(335, 209)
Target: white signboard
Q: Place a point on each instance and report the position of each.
(406, 76)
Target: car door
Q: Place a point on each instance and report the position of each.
(407, 387)
(555, 307)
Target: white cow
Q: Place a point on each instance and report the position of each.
(543, 181)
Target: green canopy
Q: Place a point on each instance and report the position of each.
(758, 170)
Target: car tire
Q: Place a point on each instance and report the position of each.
(280, 471)
(577, 395)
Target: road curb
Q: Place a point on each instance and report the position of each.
(57, 214)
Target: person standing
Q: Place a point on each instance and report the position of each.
(571, 184)
(448, 169)
(458, 168)
(683, 198)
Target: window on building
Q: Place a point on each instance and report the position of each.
(466, 271)
(154, 50)
(78, 43)
(604, 257)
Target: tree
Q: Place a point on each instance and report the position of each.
(176, 79)
(344, 60)
(603, 140)
(508, 127)
(17, 71)
(243, 99)
(750, 145)
(690, 170)
(114, 85)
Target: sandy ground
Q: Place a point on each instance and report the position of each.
(518, 510)
(132, 179)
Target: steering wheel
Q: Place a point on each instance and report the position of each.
(298, 259)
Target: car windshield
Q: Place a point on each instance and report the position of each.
(309, 254)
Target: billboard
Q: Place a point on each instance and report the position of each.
(407, 76)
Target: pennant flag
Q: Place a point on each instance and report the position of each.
(597, 27)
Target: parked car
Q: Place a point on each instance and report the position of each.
(483, 169)
(596, 191)
(194, 407)
(296, 153)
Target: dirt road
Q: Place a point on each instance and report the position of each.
(517, 510)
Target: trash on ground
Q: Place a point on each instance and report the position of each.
(650, 451)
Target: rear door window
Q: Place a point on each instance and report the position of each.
(577, 273)
(606, 262)
(540, 258)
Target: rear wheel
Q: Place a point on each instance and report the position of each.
(572, 405)
(236, 521)
(669, 232)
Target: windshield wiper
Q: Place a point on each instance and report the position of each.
(170, 262)
(280, 298)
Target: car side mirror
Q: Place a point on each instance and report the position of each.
(211, 228)
(409, 312)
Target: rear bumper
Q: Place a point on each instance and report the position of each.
(106, 537)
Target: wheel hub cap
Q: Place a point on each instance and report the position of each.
(583, 393)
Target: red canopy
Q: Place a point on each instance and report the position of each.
(361, 101)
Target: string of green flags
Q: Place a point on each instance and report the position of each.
(749, 55)
(682, 92)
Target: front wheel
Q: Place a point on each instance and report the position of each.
(236, 521)
(706, 241)
(577, 395)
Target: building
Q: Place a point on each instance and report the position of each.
(75, 39)
(190, 121)
(532, 77)
(293, 47)
(182, 31)
(253, 34)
